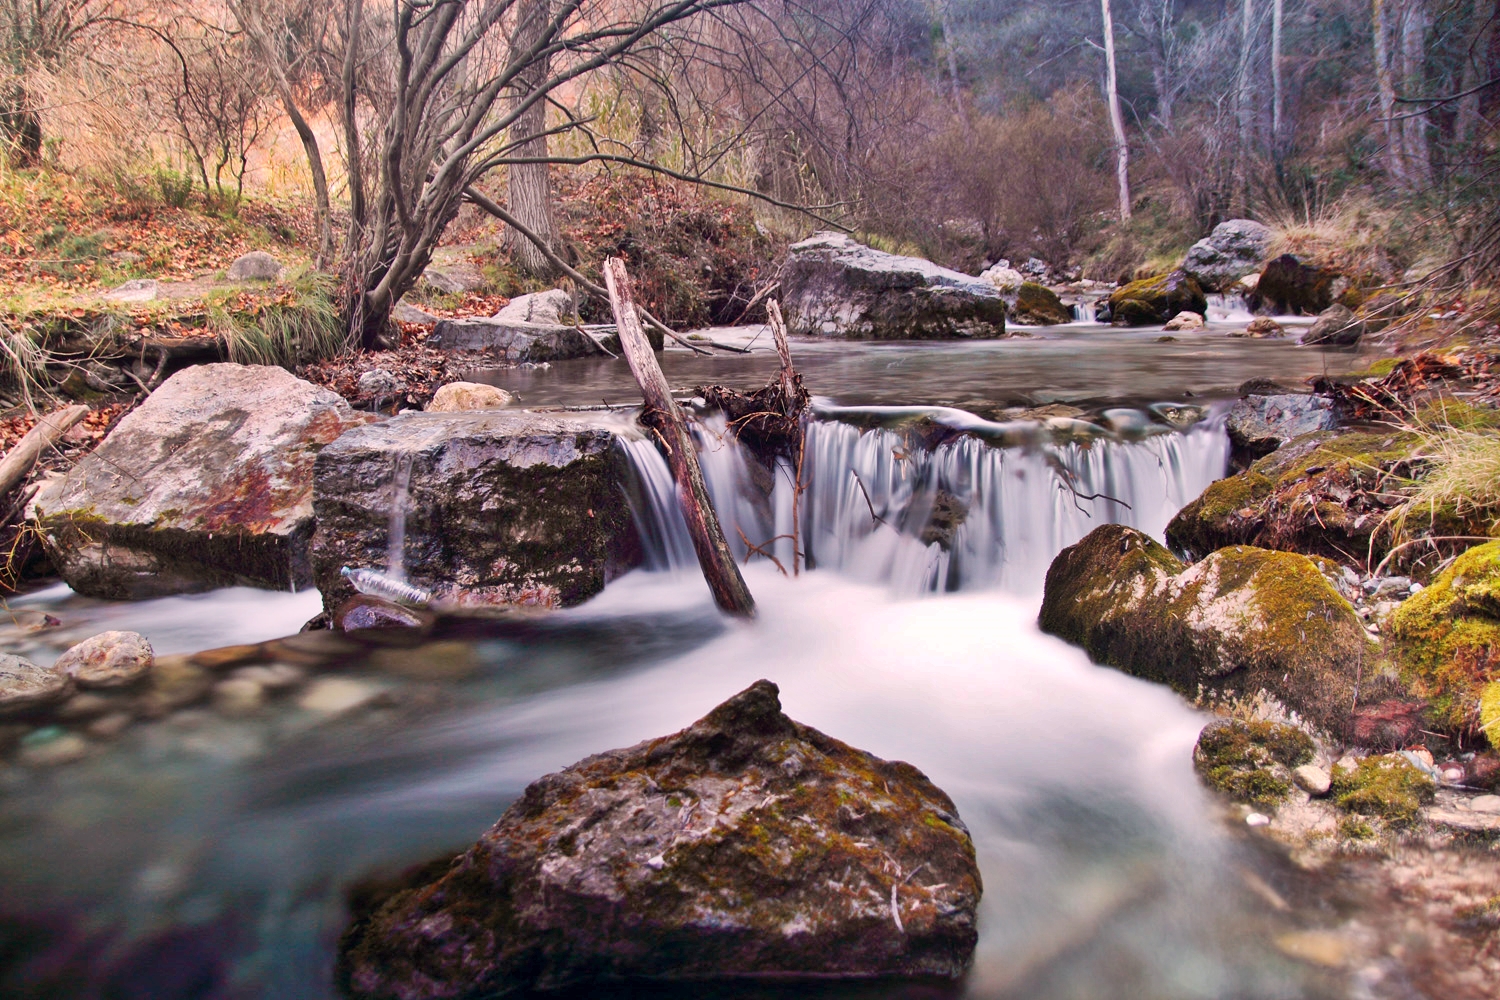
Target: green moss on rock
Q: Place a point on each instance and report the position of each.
(1387, 787)
(1448, 637)
(1157, 299)
(1240, 621)
(1038, 305)
(1251, 761)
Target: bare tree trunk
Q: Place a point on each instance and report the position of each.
(249, 21)
(663, 415)
(358, 212)
(530, 184)
(1245, 107)
(1470, 123)
(1414, 143)
(958, 97)
(48, 431)
(1278, 94)
(1385, 85)
(1116, 119)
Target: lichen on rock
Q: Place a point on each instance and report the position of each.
(1448, 639)
(1240, 621)
(1251, 761)
(1157, 299)
(745, 846)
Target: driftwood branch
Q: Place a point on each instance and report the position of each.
(48, 430)
(663, 415)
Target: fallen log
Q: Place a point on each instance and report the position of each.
(48, 430)
(663, 415)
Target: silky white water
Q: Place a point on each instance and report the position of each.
(871, 495)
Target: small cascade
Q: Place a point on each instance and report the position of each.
(1085, 312)
(395, 558)
(1228, 309)
(964, 515)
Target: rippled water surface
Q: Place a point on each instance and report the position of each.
(1073, 364)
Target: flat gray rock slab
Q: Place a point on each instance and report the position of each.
(1262, 424)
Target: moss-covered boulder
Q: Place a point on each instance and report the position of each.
(1038, 305)
(1388, 788)
(1331, 494)
(1156, 300)
(501, 506)
(745, 846)
(1289, 287)
(1448, 637)
(1251, 761)
(1240, 622)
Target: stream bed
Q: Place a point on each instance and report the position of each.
(206, 855)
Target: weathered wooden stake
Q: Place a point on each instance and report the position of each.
(48, 430)
(662, 413)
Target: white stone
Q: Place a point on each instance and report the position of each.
(459, 396)
(1185, 321)
(109, 659)
(135, 290)
(1488, 804)
(1312, 779)
(550, 308)
(337, 695)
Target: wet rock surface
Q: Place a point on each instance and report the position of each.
(208, 483)
(1157, 300)
(1038, 305)
(25, 685)
(835, 287)
(1260, 424)
(1336, 326)
(107, 660)
(503, 507)
(1289, 287)
(1241, 622)
(746, 846)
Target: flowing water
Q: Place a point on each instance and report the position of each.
(207, 857)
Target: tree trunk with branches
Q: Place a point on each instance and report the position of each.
(530, 184)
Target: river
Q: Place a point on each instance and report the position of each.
(208, 857)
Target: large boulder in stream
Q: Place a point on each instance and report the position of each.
(1234, 249)
(207, 484)
(747, 846)
(1244, 622)
(501, 506)
(542, 326)
(835, 287)
(1156, 300)
(1260, 423)
(1290, 287)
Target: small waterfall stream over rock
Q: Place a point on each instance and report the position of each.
(966, 514)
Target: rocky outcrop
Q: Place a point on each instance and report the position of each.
(1327, 494)
(1239, 623)
(747, 846)
(208, 483)
(503, 507)
(1259, 424)
(1234, 249)
(835, 287)
(1156, 300)
(1336, 326)
(1288, 287)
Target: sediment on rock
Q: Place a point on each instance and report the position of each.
(745, 846)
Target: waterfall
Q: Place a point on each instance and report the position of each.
(1085, 312)
(395, 559)
(1228, 309)
(963, 515)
